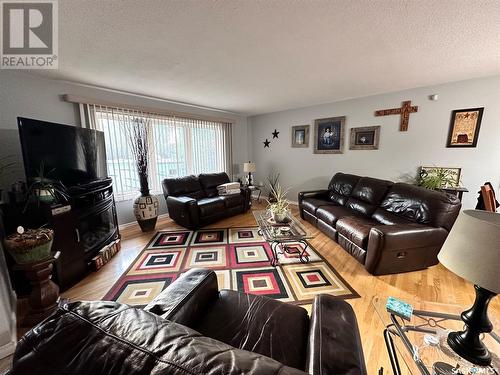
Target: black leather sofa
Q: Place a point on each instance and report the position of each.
(192, 328)
(389, 227)
(193, 201)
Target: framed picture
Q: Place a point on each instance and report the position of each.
(300, 136)
(464, 127)
(329, 135)
(364, 138)
(449, 176)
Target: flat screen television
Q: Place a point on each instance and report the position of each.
(69, 154)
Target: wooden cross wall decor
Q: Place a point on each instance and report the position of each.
(404, 111)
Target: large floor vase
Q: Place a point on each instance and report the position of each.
(146, 211)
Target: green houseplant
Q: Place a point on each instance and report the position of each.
(278, 208)
(272, 181)
(44, 189)
(440, 179)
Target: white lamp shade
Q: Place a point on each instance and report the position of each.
(249, 167)
(472, 249)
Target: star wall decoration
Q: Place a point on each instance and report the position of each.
(275, 133)
(266, 143)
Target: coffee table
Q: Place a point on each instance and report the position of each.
(407, 341)
(278, 238)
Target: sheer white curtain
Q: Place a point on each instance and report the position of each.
(178, 146)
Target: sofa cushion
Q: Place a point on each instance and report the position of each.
(356, 229)
(211, 206)
(312, 204)
(367, 195)
(107, 338)
(210, 181)
(422, 205)
(388, 218)
(341, 187)
(267, 326)
(188, 186)
(330, 214)
(232, 200)
(371, 190)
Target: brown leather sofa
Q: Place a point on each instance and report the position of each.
(193, 201)
(192, 328)
(389, 227)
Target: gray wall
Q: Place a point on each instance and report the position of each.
(400, 153)
(27, 95)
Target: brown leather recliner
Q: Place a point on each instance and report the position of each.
(193, 201)
(389, 227)
(192, 328)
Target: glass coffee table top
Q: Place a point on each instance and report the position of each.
(280, 236)
(421, 342)
(292, 230)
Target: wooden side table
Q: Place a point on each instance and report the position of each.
(457, 191)
(44, 292)
(256, 188)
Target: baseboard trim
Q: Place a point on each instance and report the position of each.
(133, 223)
(163, 216)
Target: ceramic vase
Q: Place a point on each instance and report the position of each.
(146, 211)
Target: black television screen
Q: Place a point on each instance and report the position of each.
(70, 154)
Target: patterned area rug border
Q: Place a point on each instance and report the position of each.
(240, 258)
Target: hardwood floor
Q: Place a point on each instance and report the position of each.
(435, 284)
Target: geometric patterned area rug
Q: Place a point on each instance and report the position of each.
(241, 259)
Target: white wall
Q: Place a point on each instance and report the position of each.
(26, 95)
(399, 153)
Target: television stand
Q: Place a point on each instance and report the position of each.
(82, 228)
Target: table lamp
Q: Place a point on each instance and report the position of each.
(472, 251)
(249, 168)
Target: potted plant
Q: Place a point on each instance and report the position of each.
(30, 246)
(278, 208)
(272, 180)
(440, 179)
(145, 204)
(44, 189)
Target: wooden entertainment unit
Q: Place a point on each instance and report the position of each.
(82, 228)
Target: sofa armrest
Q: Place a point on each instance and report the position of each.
(334, 345)
(184, 211)
(401, 238)
(186, 298)
(321, 194)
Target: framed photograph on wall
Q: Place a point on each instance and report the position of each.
(300, 136)
(364, 138)
(329, 135)
(464, 127)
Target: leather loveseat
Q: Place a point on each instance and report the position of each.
(389, 227)
(192, 328)
(193, 201)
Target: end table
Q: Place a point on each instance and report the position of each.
(253, 188)
(410, 342)
(44, 292)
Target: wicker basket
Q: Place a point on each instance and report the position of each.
(30, 247)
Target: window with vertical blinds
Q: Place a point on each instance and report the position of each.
(178, 147)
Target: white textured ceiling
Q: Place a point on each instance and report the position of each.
(254, 57)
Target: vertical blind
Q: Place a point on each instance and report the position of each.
(178, 146)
